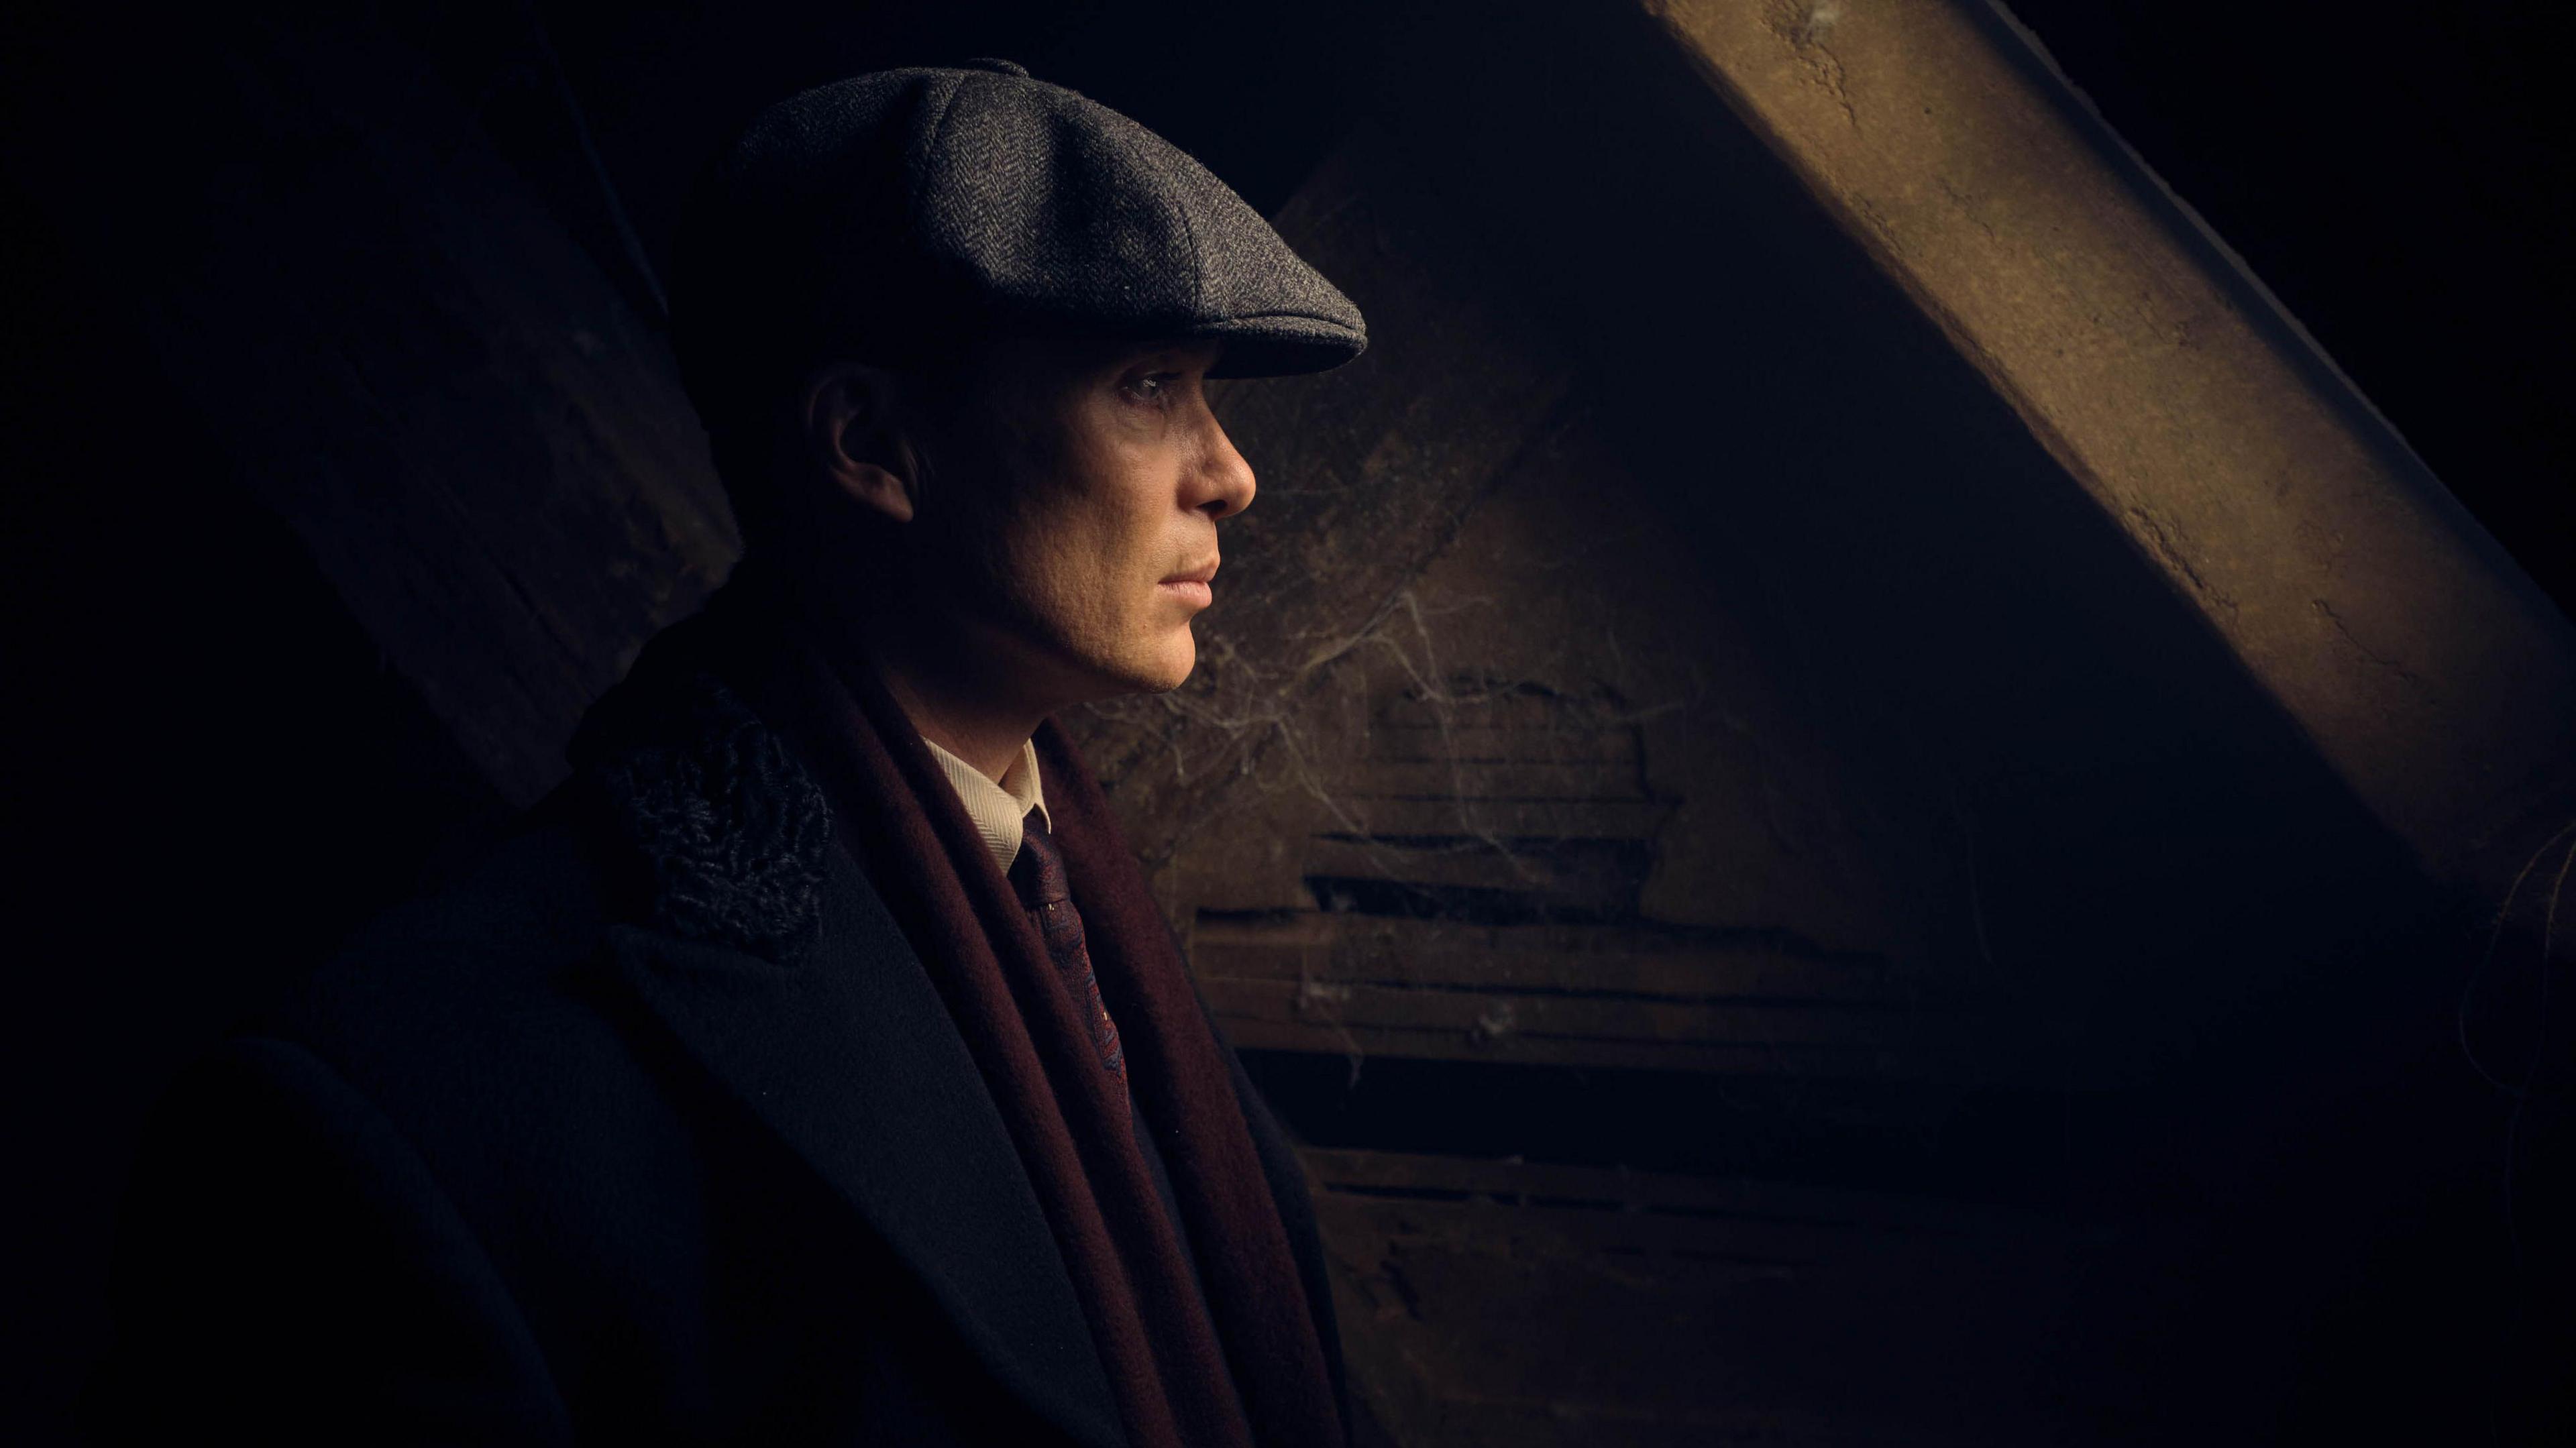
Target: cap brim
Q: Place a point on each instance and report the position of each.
(1282, 344)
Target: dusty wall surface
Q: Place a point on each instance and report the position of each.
(1478, 762)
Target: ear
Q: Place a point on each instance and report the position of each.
(850, 434)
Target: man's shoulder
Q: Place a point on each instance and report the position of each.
(505, 1002)
(504, 945)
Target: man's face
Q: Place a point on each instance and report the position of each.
(1069, 509)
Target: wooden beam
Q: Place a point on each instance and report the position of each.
(2431, 674)
(380, 322)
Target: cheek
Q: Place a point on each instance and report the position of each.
(1091, 526)
(1082, 564)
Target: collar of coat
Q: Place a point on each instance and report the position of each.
(774, 962)
(732, 830)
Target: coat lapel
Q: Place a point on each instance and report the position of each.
(848, 1054)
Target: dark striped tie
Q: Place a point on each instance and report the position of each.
(1037, 873)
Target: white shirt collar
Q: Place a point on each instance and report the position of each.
(997, 810)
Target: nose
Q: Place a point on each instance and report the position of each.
(1221, 485)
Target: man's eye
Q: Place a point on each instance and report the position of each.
(1153, 387)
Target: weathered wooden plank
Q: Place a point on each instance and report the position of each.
(1805, 1317)
(1556, 818)
(1746, 976)
(1838, 1060)
(1540, 1422)
(1325, 1018)
(1499, 1014)
(1458, 777)
(1341, 949)
(1466, 742)
(2175, 391)
(1475, 863)
(1617, 1188)
(1727, 1251)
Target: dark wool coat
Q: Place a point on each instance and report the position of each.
(523, 1167)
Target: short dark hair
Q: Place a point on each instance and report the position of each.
(756, 311)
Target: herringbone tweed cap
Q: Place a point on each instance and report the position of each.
(892, 211)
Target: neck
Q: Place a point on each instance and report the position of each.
(958, 689)
(986, 733)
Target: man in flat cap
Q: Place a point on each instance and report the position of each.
(815, 1065)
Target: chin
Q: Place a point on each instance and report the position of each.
(1176, 665)
(1141, 667)
(1161, 667)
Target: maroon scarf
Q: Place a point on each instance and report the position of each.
(1166, 1354)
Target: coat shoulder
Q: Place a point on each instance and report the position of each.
(500, 936)
(489, 1019)
(686, 815)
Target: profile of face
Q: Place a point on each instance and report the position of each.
(1057, 502)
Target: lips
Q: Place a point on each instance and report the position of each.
(1192, 587)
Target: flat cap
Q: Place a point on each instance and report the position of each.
(904, 209)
